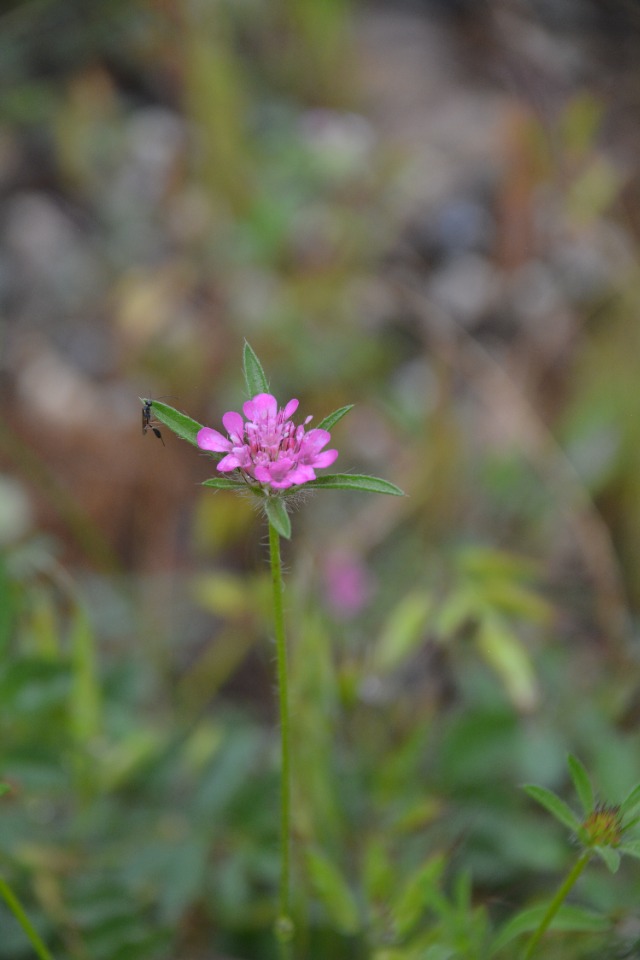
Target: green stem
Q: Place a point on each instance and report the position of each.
(17, 910)
(556, 903)
(284, 924)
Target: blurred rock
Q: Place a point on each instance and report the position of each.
(466, 287)
(15, 511)
(52, 268)
(462, 224)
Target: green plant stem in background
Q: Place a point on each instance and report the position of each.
(556, 903)
(16, 909)
(284, 924)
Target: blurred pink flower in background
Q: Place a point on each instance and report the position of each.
(349, 585)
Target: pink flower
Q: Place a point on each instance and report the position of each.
(268, 447)
(349, 584)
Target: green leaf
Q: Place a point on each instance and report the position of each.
(416, 895)
(489, 564)
(568, 918)
(582, 783)
(354, 481)
(456, 611)
(513, 600)
(84, 699)
(379, 872)
(223, 483)
(506, 654)
(610, 856)
(403, 631)
(180, 423)
(631, 801)
(334, 417)
(555, 806)
(254, 376)
(332, 889)
(278, 516)
(632, 847)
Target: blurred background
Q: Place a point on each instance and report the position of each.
(431, 210)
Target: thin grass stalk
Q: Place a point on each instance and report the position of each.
(19, 913)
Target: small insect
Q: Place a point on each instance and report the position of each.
(146, 421)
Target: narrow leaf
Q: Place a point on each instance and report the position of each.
(222, 483)
(632, 847)
(568, 918)
(403, 631)
(555, 806)
(610, 856)
(84, 700)
(457, 610)
(506, 654)
(180, 423)
(254, 375)
(333, 891)
(334, 417)
(631, 801)
(489, 564)
(416, 896)
(513, 599)
(582, 783)
(354, 481)
(278, 516)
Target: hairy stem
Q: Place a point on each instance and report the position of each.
(556, 903)
(17, 910)
(284, 924)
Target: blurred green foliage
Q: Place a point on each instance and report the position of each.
(177, 176)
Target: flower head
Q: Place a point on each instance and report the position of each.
(267, 446)
(604, 826)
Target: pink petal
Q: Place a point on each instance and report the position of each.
(230, 462)
(274, 471)
(208, 439)
(262, 406)
(234, 424)
(282, 484)
(324, 459)
(290, 409)
(302, 474)
(314, 441)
